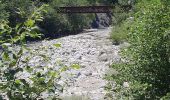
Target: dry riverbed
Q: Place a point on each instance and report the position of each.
(92, 50)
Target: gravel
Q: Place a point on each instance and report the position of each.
(91, 49)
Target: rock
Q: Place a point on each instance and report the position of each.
(126, 84)
(103, 57)
(61, 82)
(77, 75)
(102, 20)
(101, 53)
(88, 73)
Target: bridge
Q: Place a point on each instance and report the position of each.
(91, 9)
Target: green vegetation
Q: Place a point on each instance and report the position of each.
(55, 23)
(20, 88)
(120, 23)
(20, 20)
(119, 32)
(144, 71)
(14, 30)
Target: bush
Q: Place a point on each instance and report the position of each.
(146, 61)
(119, 32)
(121, 21)
(56, 24)
(12, 83)
(14, 6)
(3, 15)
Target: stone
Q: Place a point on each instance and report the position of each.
(103, 57)
(126, 84)
(88, 73)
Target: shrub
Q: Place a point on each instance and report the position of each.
(56, 24)
(3, 15)
(121, 21)
(23, 6)
(119, 32)
(146, 60)
(12, 83)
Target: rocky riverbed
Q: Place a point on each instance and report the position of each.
(92, 50)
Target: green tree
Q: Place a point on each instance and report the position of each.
(146, 68)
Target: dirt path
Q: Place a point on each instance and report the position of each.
(93, 51)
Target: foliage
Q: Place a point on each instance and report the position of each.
(121, 21)
(65, 23)
(146, 61)
(120, 31)
(14, 66)
(53, 22)
(25, 7)
(3, 15)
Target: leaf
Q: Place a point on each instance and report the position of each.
(53, 74)
(64, 68)
(13, 63)
(1, 64)
(29, 23)
(6, 45)
(17, 81)
(22, 36)
(57, 45)
(20, 52)
(75, 66)
(15, 56)
(18, 26)
(29, 69)
(5, 56)
(24, 82)
(41, 79)
(16, 39)
(34, 34)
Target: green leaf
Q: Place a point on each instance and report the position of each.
(29, 23)
(17, 81)
(18, 26)
(29, 69)
(5, 56)
(75, 66)
(24, 82)
(15, 56)
(53, 74)
(16, 39)
(22, 36)
(6, 45)
(20, 52)
(64, 69)
(13, 63)
(34, 34)
(42, 79)
(57, 45)
(1, 63)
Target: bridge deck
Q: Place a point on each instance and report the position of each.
(89, 9)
